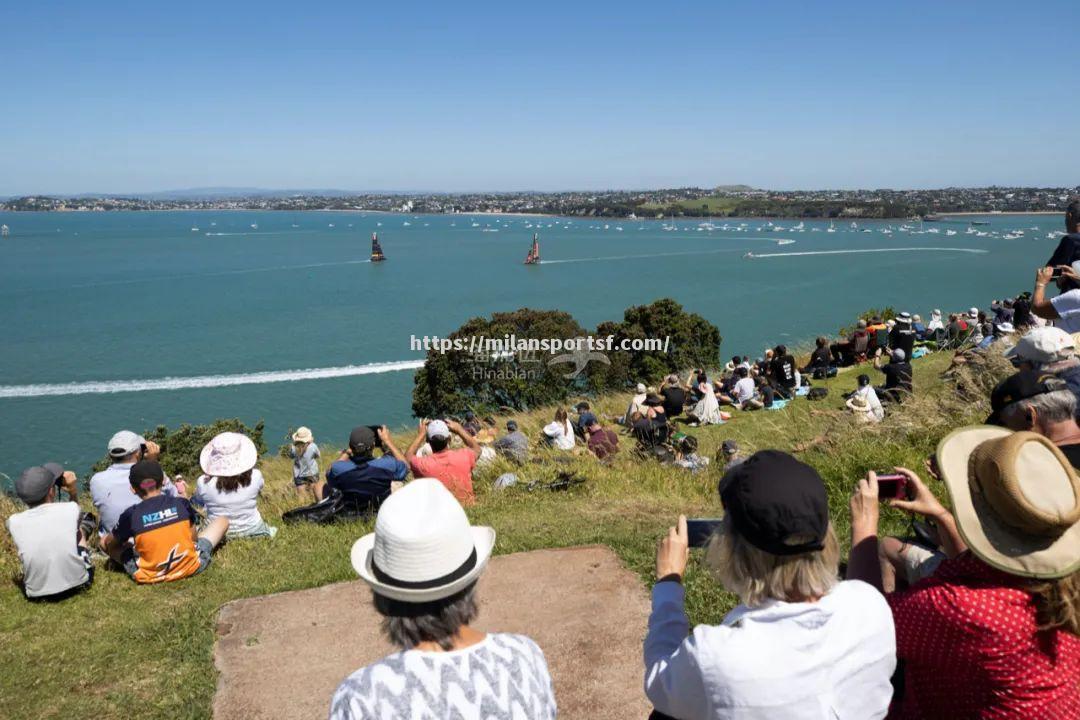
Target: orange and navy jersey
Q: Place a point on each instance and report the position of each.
(161, 528)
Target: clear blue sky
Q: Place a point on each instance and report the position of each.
(123, 97)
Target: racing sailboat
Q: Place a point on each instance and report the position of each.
(376, 249)
(533, 258)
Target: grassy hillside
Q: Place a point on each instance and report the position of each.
(134, 652)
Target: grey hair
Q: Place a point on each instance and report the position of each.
(1052, 407)
(408, 624)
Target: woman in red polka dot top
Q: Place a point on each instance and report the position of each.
(994, 632)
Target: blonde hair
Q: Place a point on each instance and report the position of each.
(757, 576)
(1057, 604)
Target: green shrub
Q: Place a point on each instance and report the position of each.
(180, 448)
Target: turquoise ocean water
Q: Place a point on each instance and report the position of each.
(145, 302)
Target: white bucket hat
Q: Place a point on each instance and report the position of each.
(423, 548)
(228, 454)
(302, 434)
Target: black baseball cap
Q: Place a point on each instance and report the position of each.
(362, 439)
(773, 498)
(146, 475)
(1021, 386)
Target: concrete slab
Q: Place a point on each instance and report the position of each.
(282, 656)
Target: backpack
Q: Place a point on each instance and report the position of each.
(817, 393)
(332, 508)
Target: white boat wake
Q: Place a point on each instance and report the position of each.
(870, 250)
(635, 257)
(205, 381)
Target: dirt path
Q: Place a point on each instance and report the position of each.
(282, 656)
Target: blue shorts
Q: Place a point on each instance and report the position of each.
(202, 546)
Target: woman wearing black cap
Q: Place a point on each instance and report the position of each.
(802, 644)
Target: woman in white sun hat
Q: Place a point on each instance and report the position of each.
(422, 563)
(995, 630)
(231, 485)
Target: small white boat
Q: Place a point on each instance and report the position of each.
(5, 231)
(254, 226)
(194, 229)
(330, 225)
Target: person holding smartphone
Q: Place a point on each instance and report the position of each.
(802, 644)
(995, 631)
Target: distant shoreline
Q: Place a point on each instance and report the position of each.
(1001, 212)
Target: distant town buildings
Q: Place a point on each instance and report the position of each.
(729, 200)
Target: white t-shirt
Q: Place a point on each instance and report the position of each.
(240, 506)
(798, 661)
(46, 537)
(561, 434)
(1067, 305)
(502, 677)
(744, 390)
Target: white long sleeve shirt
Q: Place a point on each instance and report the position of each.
(783, 661)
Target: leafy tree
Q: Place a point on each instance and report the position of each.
(453, 381)
(692, 342)
(180, 448)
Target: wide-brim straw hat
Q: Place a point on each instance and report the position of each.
(302, 435)
(423, 548)
(228, 454)
(1016, 500)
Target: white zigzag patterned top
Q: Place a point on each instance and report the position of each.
(503, 677)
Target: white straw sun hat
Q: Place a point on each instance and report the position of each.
(423, 548)
(303, 435)
(1016, 499)
(228, 454)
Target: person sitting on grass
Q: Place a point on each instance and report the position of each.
(231, 485)
(674, 395)
(1048, 350)
(305, 456)
(846, 352)
(422, 564)
(706, 410)
(582, 409)
(766, 391)
(742, 395)
(110, 489)
(363, 479)
(903, 335)
(453, 468)
(802, 644)
(898, 374)
(514, 444)
(994, 632)
(784, 373)
(603, 443)
(1041, 403)
(637, 404)
(560, 433)
(820, 359)
(686, 454)
(155, 540)
(729, 456)
(50, 538)
(866, 390)
(472, 424)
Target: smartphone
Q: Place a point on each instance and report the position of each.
(892, 486)
(1056, 274)
(375, 429)
(699, 530)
